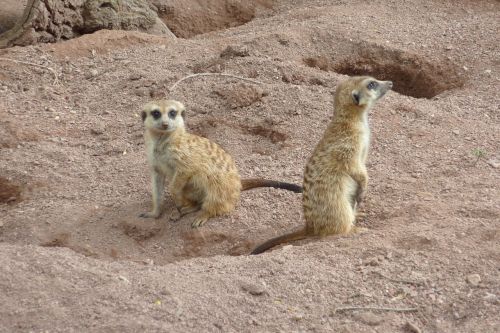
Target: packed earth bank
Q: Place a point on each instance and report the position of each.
(75, 256)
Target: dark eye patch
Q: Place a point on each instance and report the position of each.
(372, 85)
(156, 114)
(172, 114)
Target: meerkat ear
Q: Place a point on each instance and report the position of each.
(143, 115)
(355, 96)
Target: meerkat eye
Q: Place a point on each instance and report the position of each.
(172, 114)
(372, 85)
(156, 114)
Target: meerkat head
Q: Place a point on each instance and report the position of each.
(163, 116)
(362, 91)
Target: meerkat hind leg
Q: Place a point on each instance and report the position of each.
(189, 208)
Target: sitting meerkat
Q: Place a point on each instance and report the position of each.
(202, 176)
(335, 176)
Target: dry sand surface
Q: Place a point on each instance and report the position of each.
(75, 256)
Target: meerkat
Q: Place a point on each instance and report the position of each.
(201, 175)
(335, 177)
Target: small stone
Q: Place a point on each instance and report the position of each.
(235, 51)
(488, 71)
(456, 132)
(298, 316)
(124, 279)
(473, 279)
(449, 47)
(412, 328)
(97, 130)
(368, 318)
(91, 74)
(493, 163)
(253, 288)
(491, 298)
(135, 77)
(374, 261)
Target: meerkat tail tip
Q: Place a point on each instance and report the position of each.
(297, 235)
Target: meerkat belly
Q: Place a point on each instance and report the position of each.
(327, 204)
(365, 140)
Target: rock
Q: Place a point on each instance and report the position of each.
(50, 21)
(412, 328)
(97, 130)
(235, 51)
(91, 74)
(473, 279)
(368, 318)
(255, 289)
(493, 163)
(135, 76)
(491, 298)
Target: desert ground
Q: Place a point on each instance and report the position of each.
(75, 256)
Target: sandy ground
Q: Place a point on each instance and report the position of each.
(75, 256)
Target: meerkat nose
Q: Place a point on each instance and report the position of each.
(389, 83)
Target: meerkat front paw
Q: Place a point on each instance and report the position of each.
(199, 221)
(153, 215)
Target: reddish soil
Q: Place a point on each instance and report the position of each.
(75, 256)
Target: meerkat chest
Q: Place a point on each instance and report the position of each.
(365, 137)
(161, 158)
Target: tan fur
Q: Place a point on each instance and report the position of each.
(201, 175)
(335, 176)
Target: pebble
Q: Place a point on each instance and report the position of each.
(97, 130)
(412, 328)
(255, 289)
(493, 163)
(456, 132)
(491, 298)
(124, 279)
(135, 77)
(473, 279)
(92, 73)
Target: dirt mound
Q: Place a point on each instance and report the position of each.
(193, 17)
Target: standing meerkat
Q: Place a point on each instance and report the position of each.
(335, 176)
(202, 176)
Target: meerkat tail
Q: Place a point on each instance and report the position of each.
(247, 184)
(293, 236)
